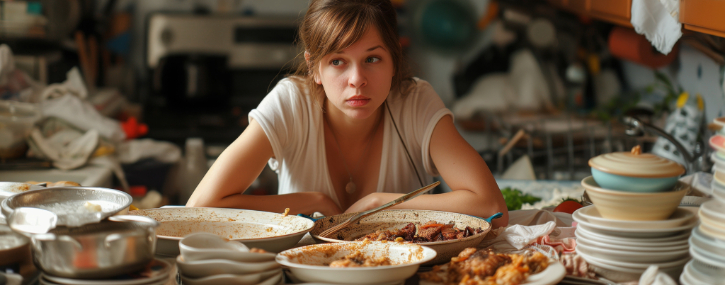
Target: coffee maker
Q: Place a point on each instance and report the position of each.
(207, 71)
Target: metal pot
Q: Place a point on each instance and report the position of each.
(122, 244)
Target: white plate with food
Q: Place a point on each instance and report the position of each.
(632, 232)
(514, 265)
(678, 218)
(355, 262)
(272, 232)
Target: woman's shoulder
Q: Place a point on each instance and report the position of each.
(418, 90)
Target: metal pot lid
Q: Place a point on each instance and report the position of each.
(636, 164)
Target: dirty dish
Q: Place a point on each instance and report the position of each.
(397, 219)
(553, 274)
(272, 232)
(8, 189)
(679, 217)
(75, 206)
(633, 206)
(204, 246)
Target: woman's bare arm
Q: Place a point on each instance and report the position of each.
(475, 191)
(238, 166)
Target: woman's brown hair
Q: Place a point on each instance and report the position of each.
(333, 25)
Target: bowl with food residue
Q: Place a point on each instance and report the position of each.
(445, 232)
(273, 232)
(364, 262)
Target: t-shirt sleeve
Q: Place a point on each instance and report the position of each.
(428, 109)
(279, 115)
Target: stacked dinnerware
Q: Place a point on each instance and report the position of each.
(707, 243)
(635, 220)
(209, 259)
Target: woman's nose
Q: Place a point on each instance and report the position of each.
(357, 77)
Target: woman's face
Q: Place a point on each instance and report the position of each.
(357, 79)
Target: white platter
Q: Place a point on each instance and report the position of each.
(629, 232)
(678, 218)
(307, 263)
(272, 232)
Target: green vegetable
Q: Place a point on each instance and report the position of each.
(515, 198)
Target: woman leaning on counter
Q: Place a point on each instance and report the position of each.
(342, 132)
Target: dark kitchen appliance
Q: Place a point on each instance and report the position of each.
(207, 71)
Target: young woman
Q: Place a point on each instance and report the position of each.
(351, 130)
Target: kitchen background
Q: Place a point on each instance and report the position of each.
(143, 95)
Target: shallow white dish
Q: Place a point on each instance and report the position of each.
(667, 241)
(712, 231)
(157, 271)
(678, 218)
(205, 246)
(629, 232)
(307, 263)
(622, 273)
(235, 279)
(202, 268)
(272, 232)
(583, 239)
(631, 255)
(554, 273)
(707, 243)
(714, 210)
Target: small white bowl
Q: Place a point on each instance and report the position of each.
(634, 247)
(631, 255)
(308, 262)
(234, 279)
(205, 246)
(678, 218)
(635, 206)
(202, 268)
(628, 232)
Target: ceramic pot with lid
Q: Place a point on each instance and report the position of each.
(122, 244)
(635, 171)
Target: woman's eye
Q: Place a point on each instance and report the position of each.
(336, 62)
(373, 59)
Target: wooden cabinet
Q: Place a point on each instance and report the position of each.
(616, 11)
(705, 16)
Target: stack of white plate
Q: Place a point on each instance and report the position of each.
(155, 273)
(622, 250)
(707, 247)
(207, 259)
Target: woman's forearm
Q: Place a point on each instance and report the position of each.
(305, 203)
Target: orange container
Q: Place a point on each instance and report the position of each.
(626, 44)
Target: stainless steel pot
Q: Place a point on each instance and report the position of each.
(120, 245)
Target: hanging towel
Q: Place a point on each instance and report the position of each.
(655, 20)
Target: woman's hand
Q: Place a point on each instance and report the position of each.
(371, 201)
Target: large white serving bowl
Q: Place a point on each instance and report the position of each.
(643, 248)
(629, 232)
(203, 268)
(205, 246)
(623, 272)
(678, 218)
(309, 263)
(269, 277)
(272, 232)
(667, 241)
(631, 255)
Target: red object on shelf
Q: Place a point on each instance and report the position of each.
(626, 44)
(137, 191)
(133, 128)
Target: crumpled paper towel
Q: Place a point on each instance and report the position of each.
(652, 276)
(652, 19)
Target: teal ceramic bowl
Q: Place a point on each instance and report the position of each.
(633, 184)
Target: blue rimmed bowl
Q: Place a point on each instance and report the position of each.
(635, 172)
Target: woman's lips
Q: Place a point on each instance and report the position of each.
(357, 101)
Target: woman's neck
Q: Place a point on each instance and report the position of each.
(347, 129)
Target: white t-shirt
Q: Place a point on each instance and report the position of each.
(294, 126)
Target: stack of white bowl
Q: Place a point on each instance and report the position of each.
(707, 243)
(208, 259)
(636, 220)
